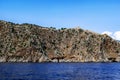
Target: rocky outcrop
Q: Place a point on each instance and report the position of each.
(33, 43)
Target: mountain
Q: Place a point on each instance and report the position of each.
(33, 43)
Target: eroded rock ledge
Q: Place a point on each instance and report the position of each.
(33, 43)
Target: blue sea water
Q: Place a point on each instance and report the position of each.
(59, 71)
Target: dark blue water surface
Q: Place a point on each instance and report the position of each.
(59, 71)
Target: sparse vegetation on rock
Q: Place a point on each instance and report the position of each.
(33, 43)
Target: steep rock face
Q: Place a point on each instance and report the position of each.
(33, 43)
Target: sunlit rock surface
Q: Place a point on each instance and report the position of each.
(33, 43)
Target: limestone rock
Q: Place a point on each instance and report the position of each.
(33, 43)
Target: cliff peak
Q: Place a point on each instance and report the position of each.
(32, 43)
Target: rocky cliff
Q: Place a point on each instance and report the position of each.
(33, 43)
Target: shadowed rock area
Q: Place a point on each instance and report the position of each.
(33, 43)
